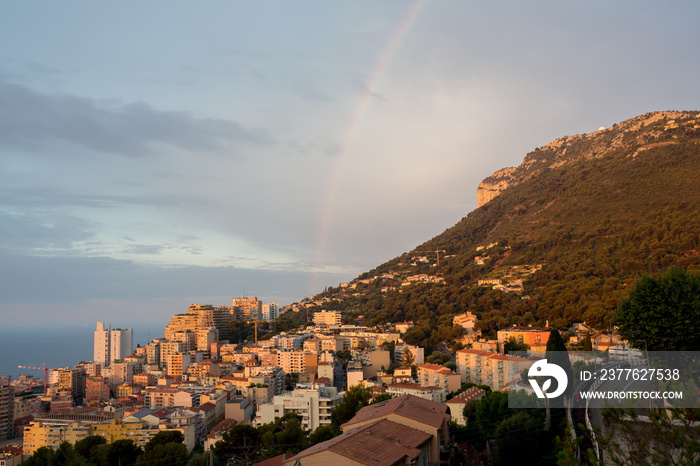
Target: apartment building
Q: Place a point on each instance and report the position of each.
(7, 409)
(96, 390)
(250, 308)
(327, 318)
(72, 381)
(432, 375)
(314, 404)
(201, 319)
(457, 404)
(466, 320)
(535, 337)
(270, 311)
(51, 434)
(488, 368)
(435, 394)
(169, 397)
(296, 362)
(416, 351)
(121, 343)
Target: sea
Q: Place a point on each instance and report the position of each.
(58, 346)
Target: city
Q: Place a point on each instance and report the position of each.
(199, 381)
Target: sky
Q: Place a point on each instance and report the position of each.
(157, 154)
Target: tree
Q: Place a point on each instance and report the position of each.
(513, 345)
(117, 453)
(520, 436)
(408, 359)
(286, 434)
(662, 313)
(163, 437)
(380, 398)
(557, 353)
(240, 444)
(666, 437)
(202, 459)
(356, 398)
(165, 448)
(323, 433)
(170, 454)
(587, 343)
(88, 446)
(42, 457)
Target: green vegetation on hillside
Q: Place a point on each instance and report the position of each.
(594, 225)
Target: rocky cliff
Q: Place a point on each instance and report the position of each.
(640, 133)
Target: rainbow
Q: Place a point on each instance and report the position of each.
(386, 55)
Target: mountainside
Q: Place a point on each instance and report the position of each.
(562, 237)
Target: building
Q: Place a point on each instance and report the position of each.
(381, 443)
(270, 311)
(7, 410)
(466, 321)
(250, 308)
(435, 394)
(102, 347)
(51, 434)
(535, 337)
(486, 345)
(201, 319)
(488, 368)
(217, 433)
(327, 318)
(240, 409)
(72, 381)
(314, 404)
(417, 353)
(457, 404)
(169, 397)
(96, 390)
(296, 362)
(122, 343)
(111, 345)
(432, 375)
(417, 413)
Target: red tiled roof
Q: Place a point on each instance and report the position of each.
(429, 366)
(222, 426)
(409, 406)
(467, 396)
(381, 443)
(413, 386)
(274, 461)
(206, 407)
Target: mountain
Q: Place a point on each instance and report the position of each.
(566, 233)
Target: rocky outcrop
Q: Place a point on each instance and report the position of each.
(493, 185)
(634, 135)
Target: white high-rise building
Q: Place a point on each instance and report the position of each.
(122, 344)
(102, 349)
(270, 311)
(111, 345)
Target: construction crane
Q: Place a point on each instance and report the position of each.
(436, 251)
(46, 374)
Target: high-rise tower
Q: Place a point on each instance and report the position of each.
(111, 345)
(102, 352)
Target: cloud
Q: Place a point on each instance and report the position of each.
(138, 249)
(32, 121)
(46, 230)
(78, 280)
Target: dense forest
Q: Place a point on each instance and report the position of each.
(578, 230)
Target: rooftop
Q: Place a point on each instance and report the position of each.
(409, 406)
(381, 443)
